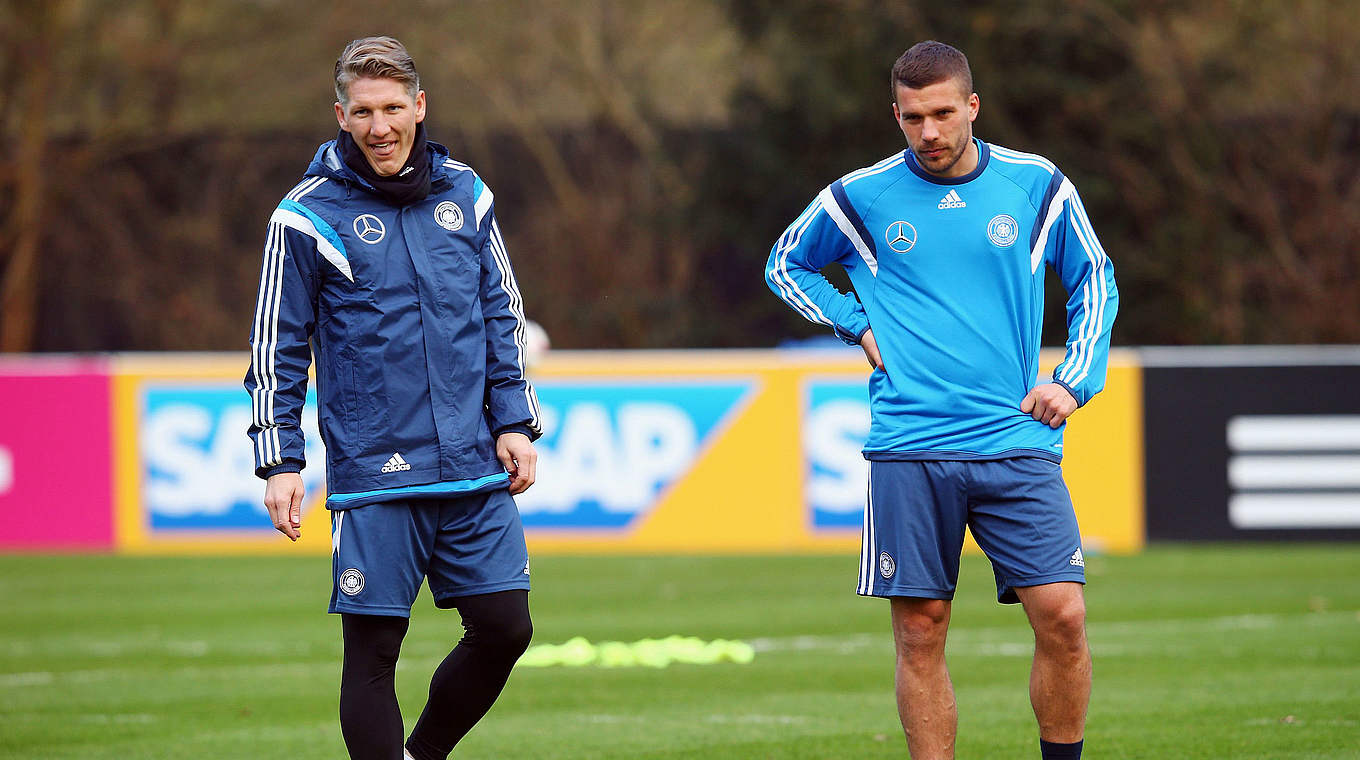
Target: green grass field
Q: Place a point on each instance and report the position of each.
(1200, 652)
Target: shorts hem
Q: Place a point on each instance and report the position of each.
(1040, 580)
(908, 591)
(1005, 590)
(440, 597)
(358, 609)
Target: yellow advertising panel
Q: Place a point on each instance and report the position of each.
(643, 452)
(786, 475)
(1103, 459)
(183, 469)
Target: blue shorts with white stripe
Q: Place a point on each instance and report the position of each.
(1018, 510)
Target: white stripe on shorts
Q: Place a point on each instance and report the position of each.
(866, 550)
(338, 521)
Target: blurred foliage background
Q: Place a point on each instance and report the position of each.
(646, 153)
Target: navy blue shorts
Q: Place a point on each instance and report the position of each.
(380, 553)
(1019, 512)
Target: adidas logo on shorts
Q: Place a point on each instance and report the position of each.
(1076, 560)
(396, 464)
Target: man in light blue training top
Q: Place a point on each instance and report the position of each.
(945, 244)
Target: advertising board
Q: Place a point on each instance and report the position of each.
(1253, 443)
(643, 451)
(610, 448)
(55, 483)
(185, 470)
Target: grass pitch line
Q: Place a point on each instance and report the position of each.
(850, 644)
(1016, 641)
(13, 680)
(225, 671)
(1018, 644)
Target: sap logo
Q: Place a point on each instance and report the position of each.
(835, 425)
(198, 468)
(618, 461)
(6, 471)
(608, 452)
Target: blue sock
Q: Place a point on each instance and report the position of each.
(1058, 751)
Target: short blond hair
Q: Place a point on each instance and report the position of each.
(375, 58)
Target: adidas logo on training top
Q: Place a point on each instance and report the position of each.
(1076, 560)
(396, 464)
(952, 200)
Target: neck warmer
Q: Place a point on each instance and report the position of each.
(409, 185)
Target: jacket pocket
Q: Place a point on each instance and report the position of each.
(353, 439)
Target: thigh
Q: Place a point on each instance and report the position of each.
(479, 548)
(379, 553)
(1021, 515)
(913, 530)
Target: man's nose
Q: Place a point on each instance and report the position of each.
(929, 130)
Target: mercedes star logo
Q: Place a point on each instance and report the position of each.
(369, 228)
(901, 236)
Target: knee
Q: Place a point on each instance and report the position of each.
(919, 627)
(1063, 626)
(515, 634)
(503, 635)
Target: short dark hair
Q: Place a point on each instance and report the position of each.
(930, 62)
(375, 58)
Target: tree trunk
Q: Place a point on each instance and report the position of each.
(28, 186)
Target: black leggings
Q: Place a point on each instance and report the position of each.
(497, 630)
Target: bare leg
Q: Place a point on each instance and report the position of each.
(1060, 679)
(925, 695)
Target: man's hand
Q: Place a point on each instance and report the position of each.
(1049, 403)
(283, 499)
(518, 457)
(870, 347)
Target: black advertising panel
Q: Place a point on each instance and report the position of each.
(1252, 443)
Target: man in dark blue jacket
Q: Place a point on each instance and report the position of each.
(387, 265)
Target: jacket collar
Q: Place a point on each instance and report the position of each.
(327, 163)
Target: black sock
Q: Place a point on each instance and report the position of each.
(468, 681)
(1057, 751)
(370, 718)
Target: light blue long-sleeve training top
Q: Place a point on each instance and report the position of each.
(949, 274)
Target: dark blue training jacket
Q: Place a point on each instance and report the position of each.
(417, 325)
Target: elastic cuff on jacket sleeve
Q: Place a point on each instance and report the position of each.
(851, 334)
(518, 427)
(290, 465)
(853, 326)
(1068, 388)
